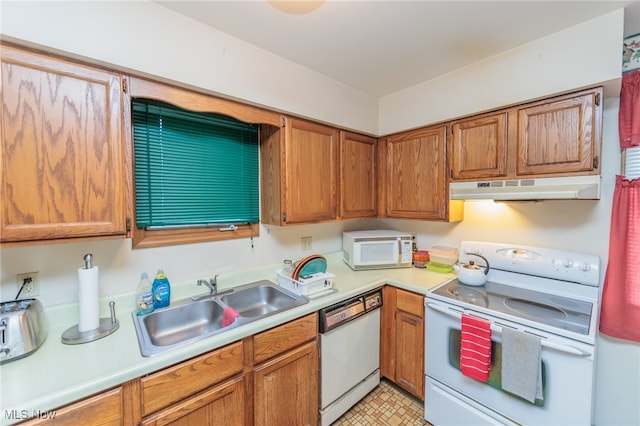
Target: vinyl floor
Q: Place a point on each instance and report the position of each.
(386, 405)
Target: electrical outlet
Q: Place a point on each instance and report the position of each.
(31, 285)
(306, 243)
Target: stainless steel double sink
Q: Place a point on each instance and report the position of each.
(189, 320)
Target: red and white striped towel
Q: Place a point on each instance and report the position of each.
(475, 348)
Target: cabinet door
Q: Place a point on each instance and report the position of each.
(311, 172)
(478, 147)
(221, 405)
(286, 388)
(410, 342)
(61, 155)
(357, 176)
(561, 135)
(415, 173)
(410, 353)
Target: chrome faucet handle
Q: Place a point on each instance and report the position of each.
(212, 284)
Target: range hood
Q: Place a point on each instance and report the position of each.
(564, 188)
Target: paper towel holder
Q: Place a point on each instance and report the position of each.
(73, 335)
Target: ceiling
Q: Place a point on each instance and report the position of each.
(381, 47)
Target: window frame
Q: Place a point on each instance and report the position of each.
(194, 101)
(631, 162)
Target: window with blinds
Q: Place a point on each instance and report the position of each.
(632, 162)
(193, 169)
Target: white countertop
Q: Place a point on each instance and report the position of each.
(57, 374)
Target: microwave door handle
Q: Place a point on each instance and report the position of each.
(572, 350)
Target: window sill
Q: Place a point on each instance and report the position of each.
(159, 238)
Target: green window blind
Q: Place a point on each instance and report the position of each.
(192, 168)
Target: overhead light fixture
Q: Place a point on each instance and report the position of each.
(296, 7)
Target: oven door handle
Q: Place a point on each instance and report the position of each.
(498, 329)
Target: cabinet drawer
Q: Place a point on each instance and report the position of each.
(410, 302)
(280, 339)
(165, 387)
(223, 404)
(102, 409)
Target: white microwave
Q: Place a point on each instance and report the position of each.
(377, 249)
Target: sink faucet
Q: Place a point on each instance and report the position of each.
(212, 284)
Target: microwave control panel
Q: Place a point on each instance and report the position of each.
(406, 250)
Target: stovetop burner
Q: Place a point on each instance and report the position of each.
(468, 294)
(557, 311)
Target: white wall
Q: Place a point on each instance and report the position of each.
(115, 32)
(150, 39)
(584, 55)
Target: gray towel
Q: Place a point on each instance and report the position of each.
(521, 370)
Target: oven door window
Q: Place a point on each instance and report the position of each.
(495, 375)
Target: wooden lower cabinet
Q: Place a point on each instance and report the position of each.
(207, 389)
(410, 353)
(285, 382)
(286, 388)
(104, 409)
(402, 339)
(221, 405)
(270, 378)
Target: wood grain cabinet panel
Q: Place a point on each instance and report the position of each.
(104, 409)
(61, 153)
(552, 137)
(478, 147)
(280, 339)
(221, 405)
(173, 384)
(311, 171)
(357, 176)
(286, 388)
(299, 172)
(561, 135)
(402, 348)
(315, 173)
(413, 169)
(285, 374)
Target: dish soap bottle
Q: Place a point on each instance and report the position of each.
(161, 290)
(144, 296)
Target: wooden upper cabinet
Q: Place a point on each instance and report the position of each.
(299, 164)
(311, 165)
(552, 137)
(61, 155)
(357, 176)
(562, 135)
(413, 165)
(478, 147)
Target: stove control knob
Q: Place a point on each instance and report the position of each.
(567, 263)
(584, 267)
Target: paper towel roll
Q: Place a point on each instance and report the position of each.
(88, 312)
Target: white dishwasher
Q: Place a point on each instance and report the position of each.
(349, 353)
